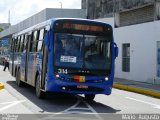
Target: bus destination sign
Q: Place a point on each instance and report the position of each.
(83, 27)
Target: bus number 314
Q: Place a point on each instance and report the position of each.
(62, 71)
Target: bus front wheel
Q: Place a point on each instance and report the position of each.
(18, 81)
(89, 97)
(39, 92)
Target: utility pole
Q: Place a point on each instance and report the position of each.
(9, 16)
(87, 9)
(61, 4)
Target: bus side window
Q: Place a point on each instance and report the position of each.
(35, 35)
(38, 35)
(40, 44)
(12, 45)
(27, 42)
(24, 43)
(40, 41)
(41, 34)
(21, 43)
(16, 45)
(30, 39)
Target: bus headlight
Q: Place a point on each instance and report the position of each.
(57, 76)
(106, 79)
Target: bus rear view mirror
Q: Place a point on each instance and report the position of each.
(115, 50)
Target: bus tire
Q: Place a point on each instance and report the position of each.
(18, 81)
(89, 97)
(39, 92)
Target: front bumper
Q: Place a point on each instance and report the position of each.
(56, 85)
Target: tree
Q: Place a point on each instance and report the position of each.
(1, 29)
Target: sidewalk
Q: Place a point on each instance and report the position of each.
(138, 87)
(11, 102)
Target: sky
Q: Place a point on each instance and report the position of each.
(22, 9)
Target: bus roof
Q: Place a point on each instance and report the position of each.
(35, 27)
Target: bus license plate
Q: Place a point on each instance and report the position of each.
(82, 86)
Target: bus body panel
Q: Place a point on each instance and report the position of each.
(34, 66)
(11, 63)
(23, 66)
(16, 63)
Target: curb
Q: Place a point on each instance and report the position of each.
(1, 86)
(138, 90)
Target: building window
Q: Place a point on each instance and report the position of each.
(126, 57)
(158, 59)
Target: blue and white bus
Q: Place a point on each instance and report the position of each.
(65, 55)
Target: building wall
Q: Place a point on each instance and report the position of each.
(98, 8)
(105, 8)
(126, 12)
(136, 16)
(84, 3)
(65, 13)
(121, 5)
(143, 50)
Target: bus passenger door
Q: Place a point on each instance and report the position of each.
(11, 57)
(26, 53)
(44, 65)
(30, 60)
(43, 56)
(32, 55)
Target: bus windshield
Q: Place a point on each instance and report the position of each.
(87, 52)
